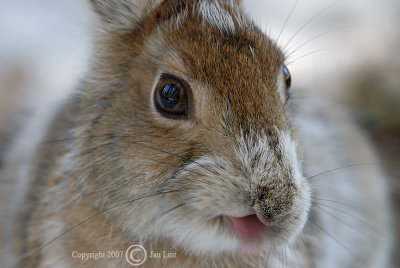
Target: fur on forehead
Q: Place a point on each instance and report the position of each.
(125, 14)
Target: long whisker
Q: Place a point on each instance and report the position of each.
(113, 186)
(305, 248)
(111, 136)
(337, 202)
(285, 254)
(281, 258)
(175, 207)
(311, 20)
(339, 243)
(345, 223)
(361, 221)
(321, 35)
(287, 20)
(86, 219)
(312, 178)
(268, 257)
(305, 55)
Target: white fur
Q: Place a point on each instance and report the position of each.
(214, 14)
(252, 50)
(180, 18)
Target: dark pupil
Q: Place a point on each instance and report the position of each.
(169, 96)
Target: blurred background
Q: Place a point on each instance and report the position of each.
(348, 50)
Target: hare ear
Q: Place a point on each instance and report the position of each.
(122, 13)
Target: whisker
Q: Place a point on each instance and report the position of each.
(310, 20)
(281, 258)
(167, 163)
(361, 221)
(191, 171)
(339, 243)
(287, 20)
(86, 219)
(111, 136)
(157, 217)
(173, 208)
(312, 178)
(338, 202)
(307, 251)
(305, 55)
(200, 179)
(285, 254)
(268, 257)
(320, 35)
(345, 223)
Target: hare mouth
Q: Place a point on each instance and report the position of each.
(250, 232)
(249, 229)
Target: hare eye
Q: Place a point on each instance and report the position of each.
(171, 97)
(287, 77)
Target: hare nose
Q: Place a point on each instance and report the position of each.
(273, 201)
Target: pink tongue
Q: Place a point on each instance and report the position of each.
(249, 229)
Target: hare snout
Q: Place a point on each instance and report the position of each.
(251, 197)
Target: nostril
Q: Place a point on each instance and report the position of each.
(262, 196)
(260, 193)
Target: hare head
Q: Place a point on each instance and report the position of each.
(187, 129)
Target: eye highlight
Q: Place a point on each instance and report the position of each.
(287, 76)
(171, 97)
